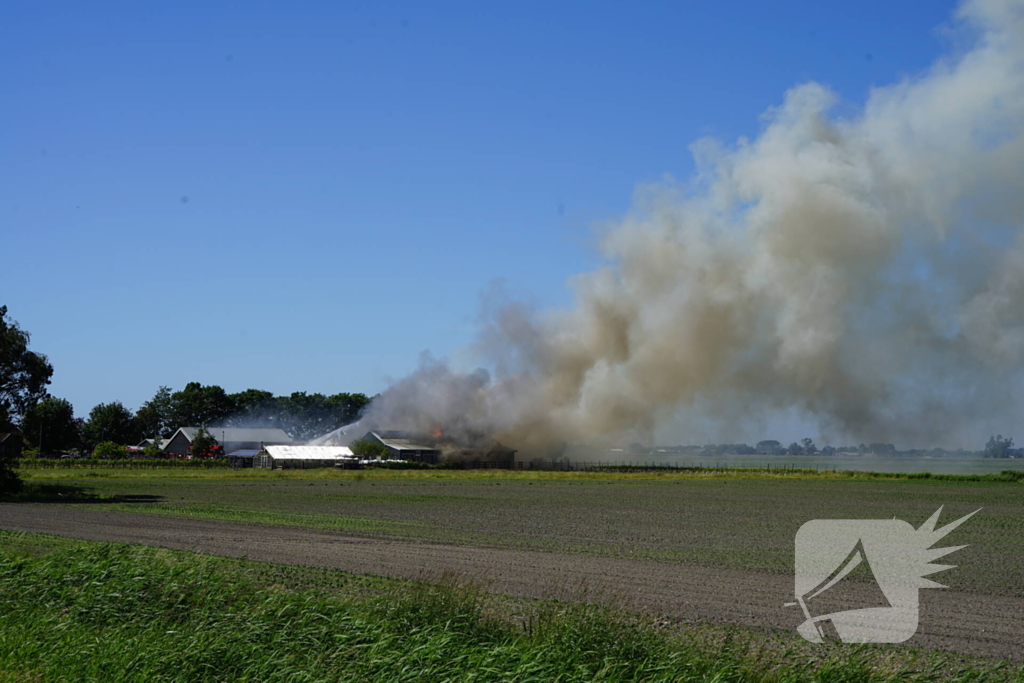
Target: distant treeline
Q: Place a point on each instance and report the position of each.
(50, 425)
(997, 447)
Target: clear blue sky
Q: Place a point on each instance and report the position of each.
(305, 196)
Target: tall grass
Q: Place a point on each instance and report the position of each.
(78, 611)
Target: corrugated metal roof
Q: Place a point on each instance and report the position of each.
(406, 445)
(244, 453)
(309, 452)
(240, 435)
(400, 441)
(392, 434)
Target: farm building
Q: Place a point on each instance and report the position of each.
(469, 450)
(10, 445)
(303, 457)
(231, 438)
(244, 457)
(404, 446)
(162, 443)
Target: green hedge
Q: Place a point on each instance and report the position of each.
(139, 464)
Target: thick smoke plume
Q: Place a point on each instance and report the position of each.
(866, 272)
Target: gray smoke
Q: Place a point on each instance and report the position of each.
(867, 272)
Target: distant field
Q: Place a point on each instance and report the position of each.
(707, 549)
(732, 521)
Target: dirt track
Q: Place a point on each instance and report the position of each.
(973, 624)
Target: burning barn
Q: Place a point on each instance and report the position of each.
(472, 450)
(475, 452)
(480, 455)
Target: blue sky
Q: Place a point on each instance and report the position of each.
(305, 196)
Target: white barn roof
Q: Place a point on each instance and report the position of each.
(309, 452)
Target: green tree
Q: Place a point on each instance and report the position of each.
(155, 417)
(769, 447)
(197, 406)
(50, 426)
(253, 407)
(998, 447)
(808, 446)
(306, 416)
(24, 374)
(111, 422)
(110, 451)
(347, 408)
(366, 448)
(795, 449)
(302, 415)
(203, 444)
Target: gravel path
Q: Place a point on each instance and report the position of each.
(964, 623)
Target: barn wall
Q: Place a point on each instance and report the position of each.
(178, 445)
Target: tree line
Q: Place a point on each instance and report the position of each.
(48, 423)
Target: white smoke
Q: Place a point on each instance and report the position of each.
(867, 272)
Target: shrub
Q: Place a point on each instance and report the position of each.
(10, 482)
(109, 450)
(369, 449)
(204, 445)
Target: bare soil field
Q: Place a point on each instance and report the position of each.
(980, 620)
(742, 524)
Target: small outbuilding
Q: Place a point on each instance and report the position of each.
(243, 458)
(303, 457)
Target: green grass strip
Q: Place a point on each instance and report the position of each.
(610, 473)
(79, 611)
